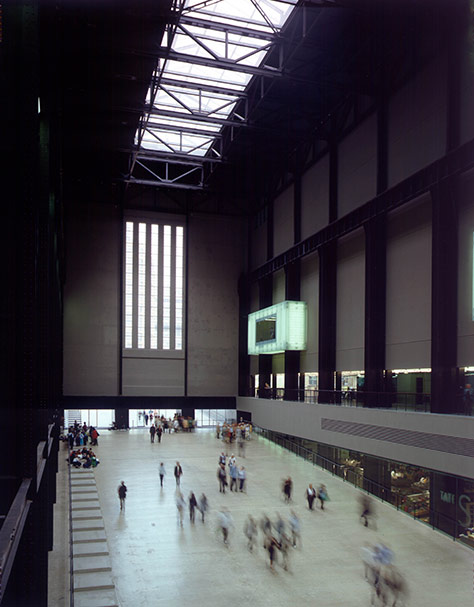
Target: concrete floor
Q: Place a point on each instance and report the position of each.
(156, 562)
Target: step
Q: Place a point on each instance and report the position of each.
(82, 537)
(90, 549)
(81, 526)
(96, 564)
(91, 598)
(86, 516)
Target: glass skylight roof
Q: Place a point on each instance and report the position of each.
(216, 48)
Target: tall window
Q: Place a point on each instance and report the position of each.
(153, 285)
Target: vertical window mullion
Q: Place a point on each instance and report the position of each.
(167, 232)
(147, 285)
(142, 248)
(179, 288)
(154, 287)
(160, 286)
(128, 285)
(135, 285)
(173, 289)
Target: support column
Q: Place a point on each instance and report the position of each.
(292, 357)
(444, 299)
(375, 308)
(327, 318)
(265, 286)
(244, 358)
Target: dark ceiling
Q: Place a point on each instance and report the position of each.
(98, 58)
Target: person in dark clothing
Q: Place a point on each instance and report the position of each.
(192, 507)
(122, 493)
(222, 476)
(287, 487)
(310, 496)
(178, 473)
(152, 433)
(159, 433)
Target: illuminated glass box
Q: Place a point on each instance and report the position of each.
(278, 328)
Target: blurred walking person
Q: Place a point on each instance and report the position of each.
(122, 493)
(180, 506)
(251, 532)
(367, 508)
(322, 495)
(295, 527)
(203, 506)
(161, 472)
(226, 524)
(192, 507)
(287, 488)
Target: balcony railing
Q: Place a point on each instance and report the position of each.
(399, 401)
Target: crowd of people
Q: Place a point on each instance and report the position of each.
(80, 435)
(280, 536)
(179, 423)
(83, 458)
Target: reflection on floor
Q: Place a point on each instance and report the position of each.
(154, 561)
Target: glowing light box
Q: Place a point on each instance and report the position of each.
(278, 328)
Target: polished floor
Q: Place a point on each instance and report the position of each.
(154, 561)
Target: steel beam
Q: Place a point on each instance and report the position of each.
(176, 158)
(183, 129)
(163, 184)
(207, 88)
(219, 26)
(197, 117)
(224, 64)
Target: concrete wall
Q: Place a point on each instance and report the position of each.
(350, 319)
(417, 123)
(357, 163)
(91, 300)
(91, 312)
(216, 259)
(465, 276)
(315, 198)
(408, 324)
(283, 221)
(306, 420)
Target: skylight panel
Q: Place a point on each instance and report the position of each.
(229, 38)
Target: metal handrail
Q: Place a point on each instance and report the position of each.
(382, 492)
(10, 532)
(71, 551)
(397, 401)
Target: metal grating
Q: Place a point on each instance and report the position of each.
(423, 440)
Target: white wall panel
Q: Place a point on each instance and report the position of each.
(283, 213)
(417, 123)
(350, 309)
(310, 294)
(357, 167)
(465, 276)
(91, 301)
(408, 324)
(153, 377)
(278, 286)
(216, 259)
(315, 198)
